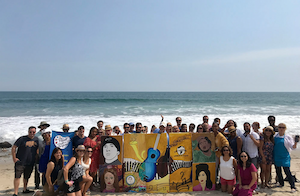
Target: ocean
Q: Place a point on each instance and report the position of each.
(19, 110)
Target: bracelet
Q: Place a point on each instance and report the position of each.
(66, 181)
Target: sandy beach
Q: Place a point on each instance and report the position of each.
(7, 176)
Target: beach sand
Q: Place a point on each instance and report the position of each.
(7, 176)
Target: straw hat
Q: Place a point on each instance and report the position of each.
(66, 126)
(269, 127)
(108, 128)
(231, 129)
(80, 147)
(43, 123)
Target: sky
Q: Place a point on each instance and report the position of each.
(150, 45)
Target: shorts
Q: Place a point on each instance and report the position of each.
(228, 182)
(20, 169)
(255, 162)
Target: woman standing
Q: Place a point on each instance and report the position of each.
(93, 140)
(266, 155)
(228, 170)
(283, 144)
(247, 176)
(86, 178)
(73, 173)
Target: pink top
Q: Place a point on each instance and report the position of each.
(246, 176)
(199, 188)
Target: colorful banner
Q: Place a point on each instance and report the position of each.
(62, 140)
(203, 145)
(180, 164)
(204, 176)
(111, 178)
(146, 159)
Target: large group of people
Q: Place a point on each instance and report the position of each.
(238, 154)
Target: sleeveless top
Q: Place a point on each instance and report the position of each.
(227, 169)
(281, 154)
(55, 171)
(233, 145)
(76, 172)
(85, 166)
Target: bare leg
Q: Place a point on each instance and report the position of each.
(267, 174)
(25, 182)
(224, 187)
(263, 175)
(87, 184)
(230, 189)
(16, 185)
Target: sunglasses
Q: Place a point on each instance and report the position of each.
(243, 156)
(169, 125)
(225, 150)
(126, 127)
(90, 151)
(200, 128)
(81, 150)
(281, 127)
(65, 129)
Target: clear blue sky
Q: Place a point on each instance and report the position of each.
(149, 45)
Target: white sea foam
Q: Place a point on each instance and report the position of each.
(13, 127)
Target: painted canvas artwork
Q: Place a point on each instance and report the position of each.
(180, 164)
(145, 163)
(111, 178)
(204, 176)
(111, 150)
(203, 145)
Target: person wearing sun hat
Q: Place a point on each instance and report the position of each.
(73, 171)
(235, 141)
(66, 128)
(108, 130)
(43, 126)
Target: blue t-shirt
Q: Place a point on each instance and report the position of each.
(76, 141)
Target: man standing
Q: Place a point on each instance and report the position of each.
(100, 125)
(271, 120)
(108, 130)
(138, 127)
(126, 128)
(24, 159)
(78, 139)
(250, 143)
(117, 130)
(43, 126)
(131, 127)
(66, 128)
(205, 120)
(178, 121)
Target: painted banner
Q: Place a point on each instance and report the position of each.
(204, 176)
(203, 145)
(62, 140)
(180, 164)
(111, 159)
(204, 161)
(111, 178)
(146, 158)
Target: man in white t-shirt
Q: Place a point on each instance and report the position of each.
(250, 143)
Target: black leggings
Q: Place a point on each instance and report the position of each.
(287, 172)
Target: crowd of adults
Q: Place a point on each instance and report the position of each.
(238, 155)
